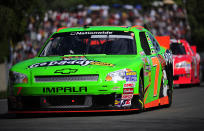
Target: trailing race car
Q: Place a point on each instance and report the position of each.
(197, 77)
(186, 63)
(93, 69)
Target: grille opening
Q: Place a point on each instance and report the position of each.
(64, 78)
(176, 77)
(65, 100)
(103, 100)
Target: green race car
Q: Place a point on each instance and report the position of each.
(93, 69)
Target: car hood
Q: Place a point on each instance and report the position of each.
(81, 64)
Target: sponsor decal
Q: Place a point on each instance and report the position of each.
(125, 103)
(143, 59)
(64, 89)
(66, 71)
(130, 73)
(148, 67)
(162, 61)
(131, 76)
(188, 67)
(168, 56)
(127, 96)
(62, 62)
(146, 60)
(127, 85)
(74, 58)
(91, 33)
(152, 47)
(148, 38)
(101, 64)
(146, 73)
(116, 88)
(142, 53)
(149, 76)
(153, 51)
(70, 62)
(117, 102)
(128, 90)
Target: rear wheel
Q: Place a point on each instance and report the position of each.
(170, 87)
(169, 93)
(167, 87)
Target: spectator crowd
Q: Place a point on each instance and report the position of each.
(162, 20)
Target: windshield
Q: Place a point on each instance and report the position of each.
(90, 42)
(177, 49)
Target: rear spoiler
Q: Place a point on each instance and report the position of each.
(163, 41)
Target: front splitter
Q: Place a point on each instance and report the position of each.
(39, 112)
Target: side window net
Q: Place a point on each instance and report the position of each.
(154, 42)
(144, 43)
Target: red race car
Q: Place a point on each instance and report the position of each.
(198, 77)
(186, 63)
(186, 60)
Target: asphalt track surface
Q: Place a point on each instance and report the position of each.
(186, 113)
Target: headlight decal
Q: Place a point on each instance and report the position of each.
(18, 78)
(122, 75)
(115, 76)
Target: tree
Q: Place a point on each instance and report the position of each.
(195, 12)
(14, 16)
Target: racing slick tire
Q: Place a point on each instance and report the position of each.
(169, 93)
(138, 100)
(170, 83)
(141, 94)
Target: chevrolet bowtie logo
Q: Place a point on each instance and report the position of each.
(66, 71)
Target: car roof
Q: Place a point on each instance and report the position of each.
(102, 28)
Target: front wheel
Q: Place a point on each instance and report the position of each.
(141, 94)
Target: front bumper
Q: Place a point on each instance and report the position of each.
(181, 79)
(182, 76)
(69, 103)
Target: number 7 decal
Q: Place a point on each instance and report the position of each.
(155, 62)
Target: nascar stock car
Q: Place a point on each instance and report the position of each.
(186, 63)
(186, 67)
(198, 66)
(93, 69)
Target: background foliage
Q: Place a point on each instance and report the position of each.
(14, 16)
(195, 11)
